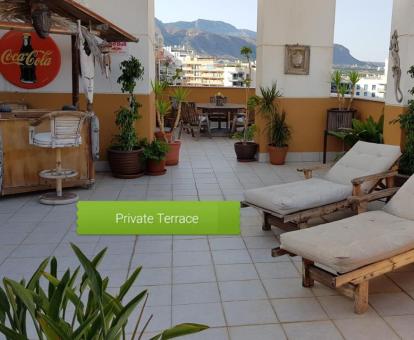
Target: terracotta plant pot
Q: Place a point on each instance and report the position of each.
(246, 152)
(277, 155)
(126, 164)
(173, 155)
(162, 137)
(156, 168)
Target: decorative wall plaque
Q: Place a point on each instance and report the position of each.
(297, 59)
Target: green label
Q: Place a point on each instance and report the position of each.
(158, 218)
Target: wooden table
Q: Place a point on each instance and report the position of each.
(228, 110)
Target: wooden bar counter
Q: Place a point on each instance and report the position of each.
(20, 162)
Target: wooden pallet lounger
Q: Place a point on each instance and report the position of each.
(357, 249)
(362, 170)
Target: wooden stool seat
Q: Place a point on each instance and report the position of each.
(65, 132)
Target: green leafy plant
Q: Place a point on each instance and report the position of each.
(247, 52)
(279, 131)
(406, 122)
(247, 135)
(342, 88)
(354, 78)
(127, 139)
(157, 150)
(77, 306)
(337, 80)
(180, 95)
(161, 106)
(367, 131)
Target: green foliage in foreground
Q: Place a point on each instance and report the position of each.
(77, 306)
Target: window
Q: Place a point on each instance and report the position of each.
(366, 87)
(358, 87)
(374, 87)
(358, 93)
(365, 94)
(373, 95)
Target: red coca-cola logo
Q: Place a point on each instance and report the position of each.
(28, 61)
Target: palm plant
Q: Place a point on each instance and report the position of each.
(354, 78)
(180, 95)
(280, 132)
(159, 87)
(337, 80)
(247, 52)
(77, 306)
(266, 104)
(162, 108)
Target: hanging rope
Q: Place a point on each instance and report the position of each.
(396, 66)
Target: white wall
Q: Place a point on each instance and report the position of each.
(134, 16)
(303, 22)
(402, 22)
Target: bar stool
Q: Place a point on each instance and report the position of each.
(65, 132)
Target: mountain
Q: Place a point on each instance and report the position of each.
(343, 58)
(205, 37)
(220, 39)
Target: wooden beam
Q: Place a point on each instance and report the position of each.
(25, 27)
(75, 71)
(376, 269)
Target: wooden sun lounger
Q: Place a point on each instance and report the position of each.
(353, 284)
(299, 220)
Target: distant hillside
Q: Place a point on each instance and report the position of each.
(343, 57)
(220, 39)
(213, 38)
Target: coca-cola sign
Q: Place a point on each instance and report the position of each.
(28, 61)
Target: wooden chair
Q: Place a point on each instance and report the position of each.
(362, 170)
(336, 121)
(193, 121)
(65, 132)
(239, 120)
(357, 249)
(219, 117)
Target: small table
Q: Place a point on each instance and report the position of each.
(228, 110)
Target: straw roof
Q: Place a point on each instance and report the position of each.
(15, 15)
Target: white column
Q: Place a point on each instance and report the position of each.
(137, 18)
(402, 21)
(302, 22)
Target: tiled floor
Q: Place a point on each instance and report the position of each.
(229, 283)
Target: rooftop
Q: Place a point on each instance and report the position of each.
(229, 283)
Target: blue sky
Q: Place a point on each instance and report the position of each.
(362, 26)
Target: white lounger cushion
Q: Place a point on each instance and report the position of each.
(292, 197)
(402, 204)
(353, 242)
(362, 160)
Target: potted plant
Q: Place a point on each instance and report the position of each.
(342, 89)
(159, 87)
(173, 157)
(155, 155)
(246, 148)
(367, 131)
(279, 131)
(125, 154)
(406, 122)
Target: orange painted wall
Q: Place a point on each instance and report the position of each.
(392, 132)
(105, 106)
(306, 116)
